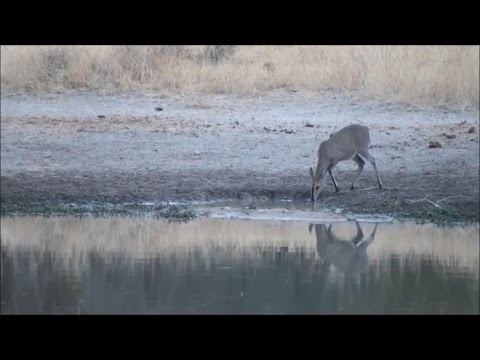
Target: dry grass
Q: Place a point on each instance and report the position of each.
(419, 75)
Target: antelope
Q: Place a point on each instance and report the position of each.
(350, 143)
(347, 255)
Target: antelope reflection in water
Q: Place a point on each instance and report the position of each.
(347, 255)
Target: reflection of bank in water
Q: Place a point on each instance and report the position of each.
(138, 265)
(142, 238)
(347, 255)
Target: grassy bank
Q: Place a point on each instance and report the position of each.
(466, 214)
(417, 75)
(135, 209)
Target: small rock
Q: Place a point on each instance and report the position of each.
(450, 136)
(159, 109)
(101, 116)
(197, 152)
(307, 124)
(434, 144)
(387, 133)
(236, 123)
(471, 130)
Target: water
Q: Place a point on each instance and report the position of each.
(219, 266)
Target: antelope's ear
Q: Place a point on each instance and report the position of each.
(311, 173)
(310, 227)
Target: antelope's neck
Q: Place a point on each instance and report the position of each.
(319, 171)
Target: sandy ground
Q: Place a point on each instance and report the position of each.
(206, 147)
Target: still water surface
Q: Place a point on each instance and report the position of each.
(214, 266)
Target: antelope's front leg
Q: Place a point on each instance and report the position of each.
(333, 178)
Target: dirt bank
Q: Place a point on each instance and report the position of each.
(206, 147)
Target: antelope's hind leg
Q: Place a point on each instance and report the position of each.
(360, 164)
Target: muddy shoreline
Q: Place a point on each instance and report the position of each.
(28, 195)
(256, 150)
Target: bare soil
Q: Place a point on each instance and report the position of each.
(207, 147)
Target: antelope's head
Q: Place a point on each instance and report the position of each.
(316, 186)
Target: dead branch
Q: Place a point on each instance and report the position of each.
(411, 201)
(423, 199)
(434, 204)
(448, 197)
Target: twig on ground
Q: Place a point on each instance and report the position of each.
(434, 204)
(448, 197)
(423, 199)
(411, 201)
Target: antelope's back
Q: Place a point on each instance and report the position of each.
(358, 134)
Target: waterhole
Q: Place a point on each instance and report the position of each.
(63, 265)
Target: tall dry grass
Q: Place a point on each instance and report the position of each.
(420, 75)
